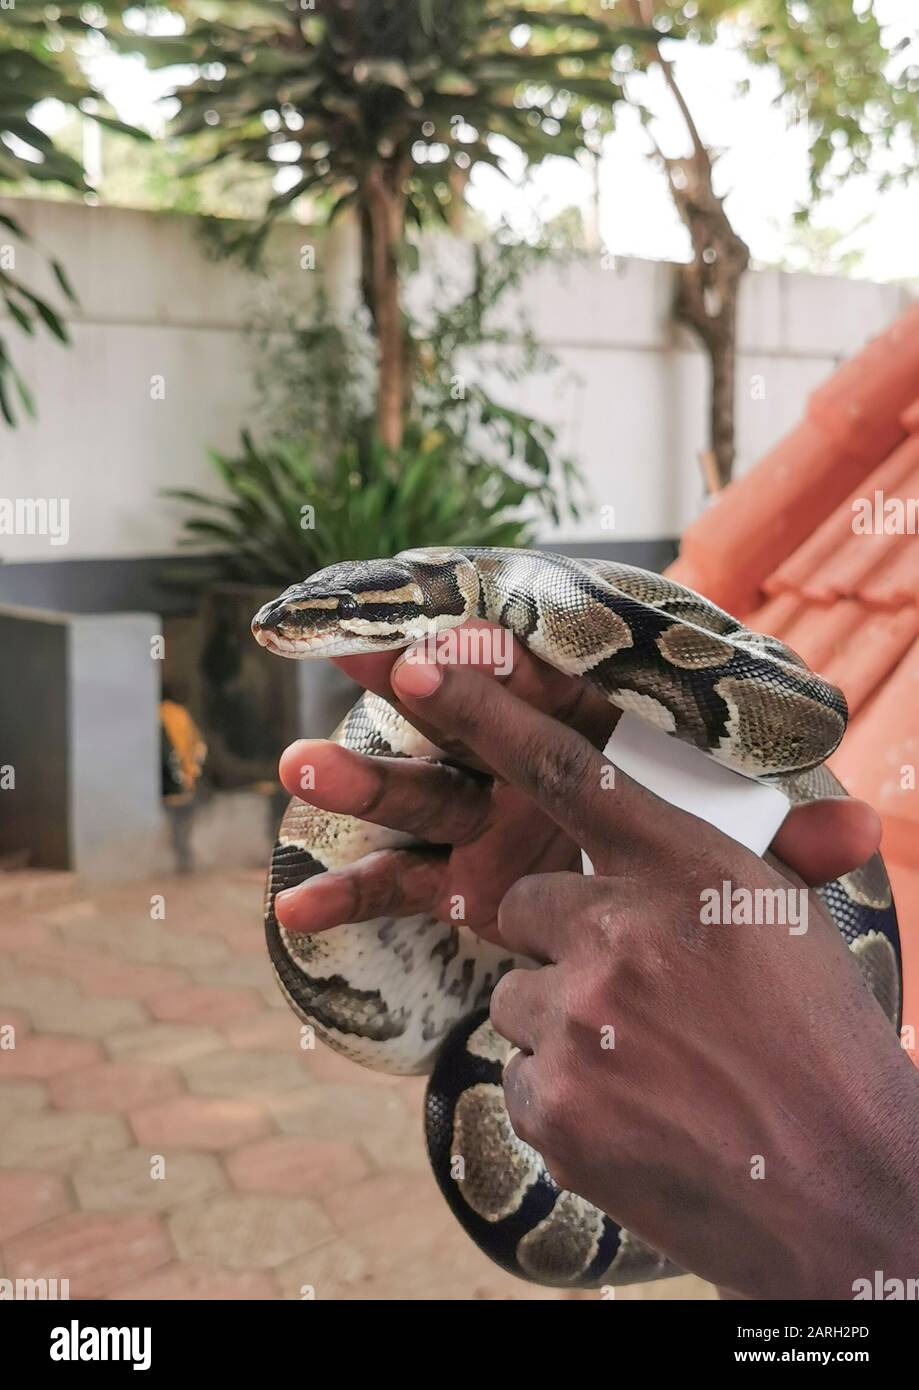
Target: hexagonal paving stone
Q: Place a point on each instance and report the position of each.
(62, 961)
(39, 1057)
(25, 936)
(244, 1074)
(325, 1064)
(265, 1032)
(420, 1236)
(97, 1254)
(151, 944)
(328, 1065)
(185, 1282)
(27, 992)
(38, 890)
(199, 1004)
(69, 910)
(196, 1122)
(54, 1142)
(246, 941)
(87, 1018)
(29, 1199)
(21, 1098)
(361, 1203)
(169, 1043)
(252, 970)
(16, 1020)
(114, 1086)
(120, 980)
(341, 1201)
(331, 1271)
(244, 1232)
(295, 1167)
(340, 1112)
(129, 1181)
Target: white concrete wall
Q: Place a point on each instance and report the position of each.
(636, 413)
(630, 401)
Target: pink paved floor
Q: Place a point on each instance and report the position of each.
(164, 1135)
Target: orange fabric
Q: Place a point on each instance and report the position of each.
(778, 548)
(188, 747)
(852, 424)
(811, 567)
(861, 404)
(755, 523)
(895, 582)
(872, 655)
(910, 418)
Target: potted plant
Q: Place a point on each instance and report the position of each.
(278, 519)
(469, 471)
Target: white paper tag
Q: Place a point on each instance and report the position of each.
(676, 772)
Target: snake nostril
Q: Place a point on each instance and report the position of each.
(269, 617)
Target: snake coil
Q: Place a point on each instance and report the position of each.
(411, 994)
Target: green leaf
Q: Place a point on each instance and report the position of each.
(5, 408)
(25, 395)
(61, 276)
(20, 315)
(50, 319)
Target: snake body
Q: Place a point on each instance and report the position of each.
(411, 995)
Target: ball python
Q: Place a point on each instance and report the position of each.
(411, 995)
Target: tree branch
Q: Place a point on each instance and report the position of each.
(644, 15)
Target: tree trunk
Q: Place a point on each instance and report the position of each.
(456, 208)
(707, 288)
(366, 230)
(723, 358)
(384, 199)
(707, 293)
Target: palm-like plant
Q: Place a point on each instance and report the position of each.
(38, 61)
(385, 108)
(267, 534)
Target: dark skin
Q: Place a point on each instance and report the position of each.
(724, 1063)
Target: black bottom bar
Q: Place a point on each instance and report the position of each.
(281, 1341)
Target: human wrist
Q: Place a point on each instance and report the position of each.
(863, 1229)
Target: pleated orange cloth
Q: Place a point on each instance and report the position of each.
(818, 544)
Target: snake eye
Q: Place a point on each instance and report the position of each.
(348, 607)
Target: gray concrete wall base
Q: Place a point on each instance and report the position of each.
(79, 725)
(228, 828)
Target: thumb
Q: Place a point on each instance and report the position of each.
(825, 839)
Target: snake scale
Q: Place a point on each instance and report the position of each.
(411, 995)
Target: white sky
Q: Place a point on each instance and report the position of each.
(763, 169)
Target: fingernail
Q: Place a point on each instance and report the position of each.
(283, 898)
(314, 903)
(416, 678)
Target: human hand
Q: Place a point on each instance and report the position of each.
(755, 1120)
(482, 835)
(488, 832)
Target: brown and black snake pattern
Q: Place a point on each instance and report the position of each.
(411, 994)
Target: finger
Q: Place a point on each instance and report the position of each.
(539, 914)
(490, 648)
(388, 883)
(553, 764)
(431, 801)
(520, 1096)
(825, 839)
(519, 1005)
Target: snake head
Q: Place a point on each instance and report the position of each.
(366, 606)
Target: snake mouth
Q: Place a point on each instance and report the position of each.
(281, 645)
